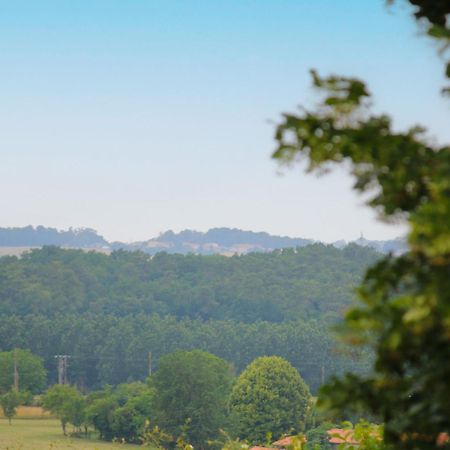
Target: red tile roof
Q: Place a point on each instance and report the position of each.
(341, 436)
(288, 440)
(442, 439)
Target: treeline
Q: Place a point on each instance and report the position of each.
(194, 397)
(313, 282)
(189, 400)
(231, 236)
(30, 236)
(112, 350)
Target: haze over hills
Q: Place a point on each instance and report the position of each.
(225, 241)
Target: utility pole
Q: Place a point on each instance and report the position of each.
(149, 363)
(323, 374)
(65, 381)
(62, 368)
(16, 372)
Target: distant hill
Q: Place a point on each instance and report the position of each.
(225, 241)
(39, 236)
(395, 246)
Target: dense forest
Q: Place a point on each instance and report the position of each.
(109, 311)
(313, 282)
(111, 350)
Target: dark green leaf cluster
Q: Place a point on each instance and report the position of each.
(434, 11)
(434, 15)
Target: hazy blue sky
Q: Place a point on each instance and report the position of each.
(134, 117)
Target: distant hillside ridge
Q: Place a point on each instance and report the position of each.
(224, 241)
(37, 237)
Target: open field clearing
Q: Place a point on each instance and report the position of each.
(14, 251)
(45, 434)
(30, 412)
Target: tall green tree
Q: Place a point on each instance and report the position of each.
(405, 311)
(30, 370)
(191, 393)
(269, 397)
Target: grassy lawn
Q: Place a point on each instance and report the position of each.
(46, 434)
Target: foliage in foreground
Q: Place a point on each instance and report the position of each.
(405, 312)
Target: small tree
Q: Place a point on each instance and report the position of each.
(269, 396)
(9, 403)
(67, 404)
(121, 413)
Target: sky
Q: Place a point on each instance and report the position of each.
(135, 117)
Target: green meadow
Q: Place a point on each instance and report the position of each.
(45, 434)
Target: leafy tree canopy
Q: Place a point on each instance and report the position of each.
(191, 393)
(67, 404)
(30, 369)
(269, 397)
(121, 413)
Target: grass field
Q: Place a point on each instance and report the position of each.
(30, 412)
(46, 434)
